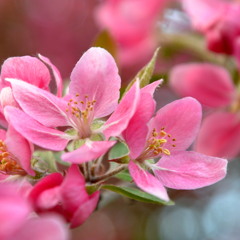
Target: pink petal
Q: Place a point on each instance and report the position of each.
(47, 227)
(7, 98)
(73, 190)
(49, 198)
(88, 152)
(204, 13)
(208, 83)
(39, 104)
(136, 133)
(28, 69)
(14, 209)
(2, 134)
(181, 119)
(49, 182)
(147, 182)
(35, 132)
(85, 210)
(220, 135)
(56, 74)
(190, 170)
(119, 120)
(96, 76)
(20, 148)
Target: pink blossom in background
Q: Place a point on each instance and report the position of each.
(213, 87)
(218, 20)
(65, 195)
(93, 93)
(133, 26)
(18, 223)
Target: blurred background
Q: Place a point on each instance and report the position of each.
(62, 30)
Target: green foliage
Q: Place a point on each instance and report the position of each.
(136, 194)
(145, 74)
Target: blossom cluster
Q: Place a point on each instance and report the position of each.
(58, 152)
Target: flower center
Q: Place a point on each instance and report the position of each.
(8, 163)
(156, 145)
(80, 112)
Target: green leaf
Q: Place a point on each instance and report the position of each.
(136, 194)
(145, 74)
(124, 175)
(119, 150)
(105, 40)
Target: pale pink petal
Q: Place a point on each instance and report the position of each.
(147, 182)
(88, 152)
(3, 121)
(190, 170)
(7, 98)
(96, 76)
(20, 148)
(181, 119)
(55, 74)
(220, 135)
(119, 120)
(28, 69)
(14, 209)
(34, 131)
(85, 210)
(46, 227)
(73, 190)
(39, 104)
(136, 133)
(150, 88)
(204, 13)
(210, 84)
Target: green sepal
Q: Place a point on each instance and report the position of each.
(125, 176)
(145, 74)
(118, 151)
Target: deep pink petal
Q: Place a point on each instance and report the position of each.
(136, 133)
(34, 131)
(85, 210)
(39, 104)
(49, 182)
(181, 119)
(220, 135)
(88, 152)
(20, 148)
(73, 190)
(56, 74)
(190, 170)
(28, 69)
(96, 76)
(210, 84)
(119, 120)
(46, 227)
(147, 182)
(204, 13)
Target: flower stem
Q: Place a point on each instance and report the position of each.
(108, 174)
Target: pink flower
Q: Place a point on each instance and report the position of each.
(17, 222)
(37, 72)
(218, 20)
(132, 28)
(168, 135)
(65, 195)
(93, 93)
(213, 87)
(15, 153)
